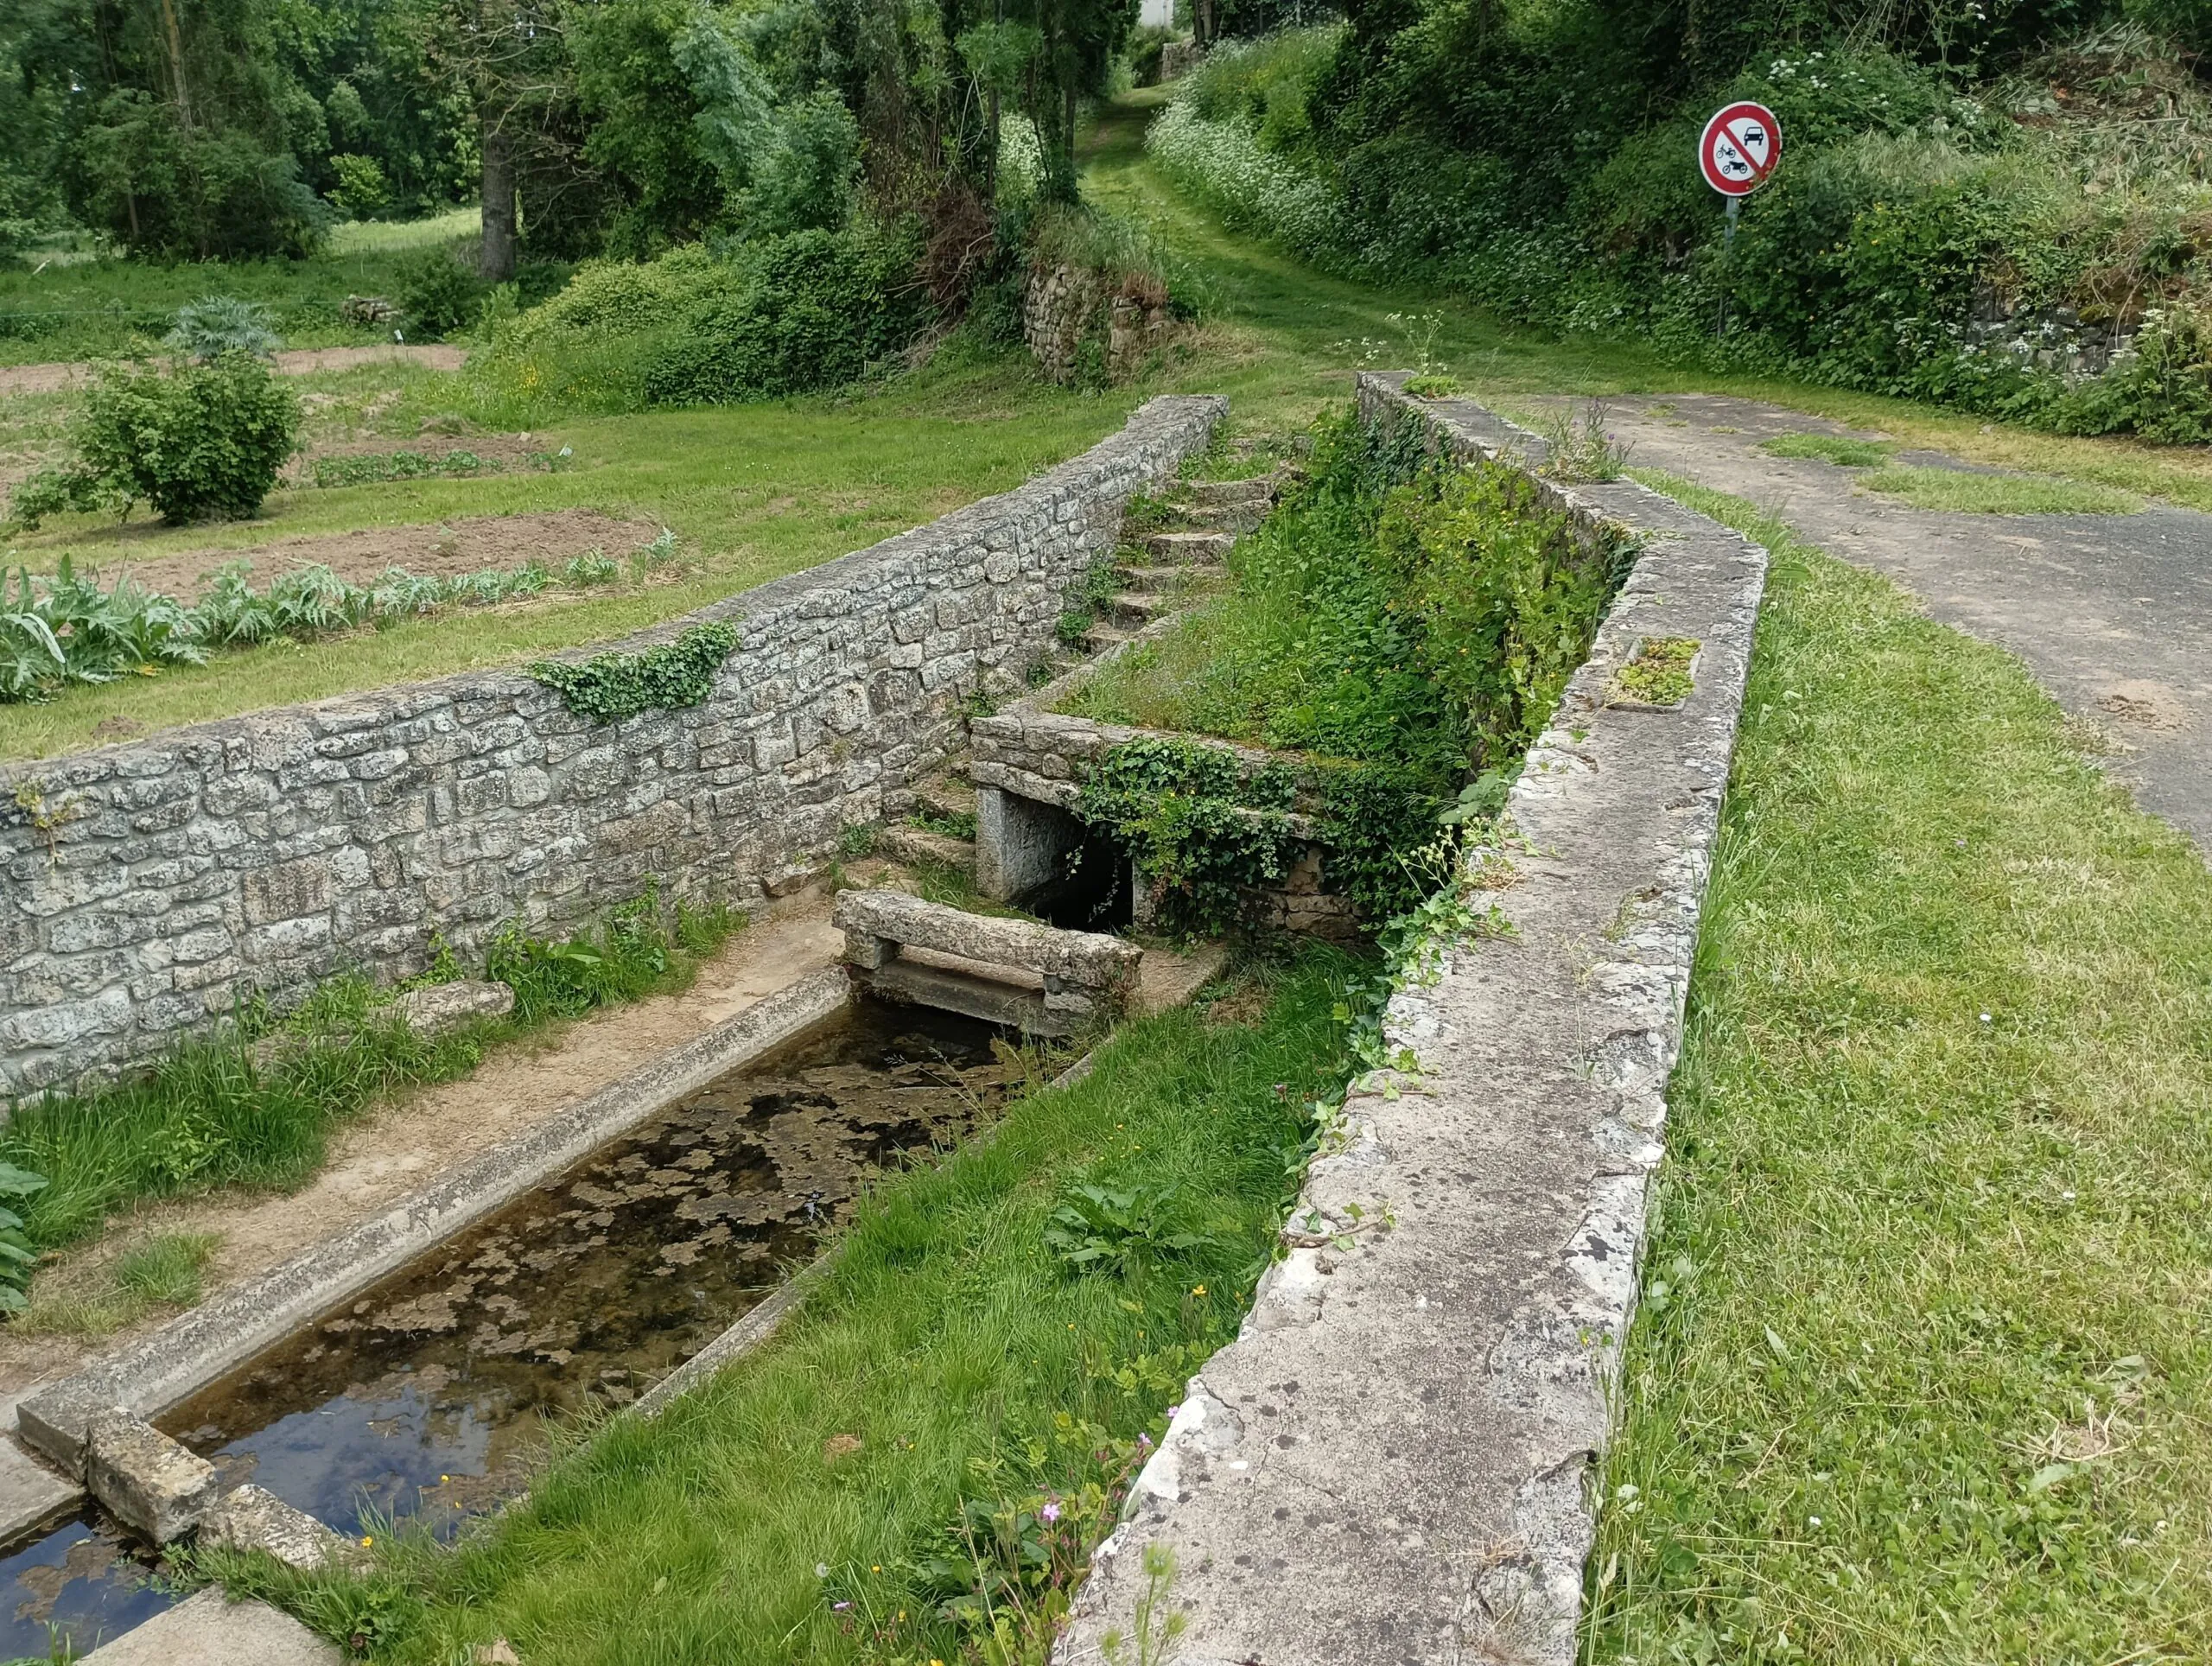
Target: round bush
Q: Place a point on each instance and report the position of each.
(203, 441)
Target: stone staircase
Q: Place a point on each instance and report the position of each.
(1207, 518)
(1157, 574)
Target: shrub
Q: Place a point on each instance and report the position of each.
(818, 308)
(438, 295)
(201, 441)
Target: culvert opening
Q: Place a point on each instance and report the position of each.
(1090, 890)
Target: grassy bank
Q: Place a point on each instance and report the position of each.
(955, 1367)
(213, 1113)
(1922, 1371)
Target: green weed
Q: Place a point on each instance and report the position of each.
(1837, 448)
(1969, 493)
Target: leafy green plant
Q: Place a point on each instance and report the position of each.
(1198, 829)
(438, 295)
(592, 566)
(65, 629)
(208, 328)
(609, 687)
(1124, 1231)
(1432, 387)
(204, 439)
(16, 1254)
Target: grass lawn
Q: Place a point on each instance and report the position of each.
(1922, 1372)
(70, 307)
(802, 1506)
(751, 491)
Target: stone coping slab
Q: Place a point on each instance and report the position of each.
(1093, 960)
(1393, 1462)
(197, 1346)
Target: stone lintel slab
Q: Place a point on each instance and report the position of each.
(143, 1479)
(1393, 1461)
(1093, 960)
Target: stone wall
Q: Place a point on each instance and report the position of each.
(177, 875)
(1394, 1460)
(1064, 306)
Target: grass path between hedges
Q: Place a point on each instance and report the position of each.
(1922, 1371)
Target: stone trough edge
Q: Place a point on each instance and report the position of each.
(192, 1350)
(1434, 1454)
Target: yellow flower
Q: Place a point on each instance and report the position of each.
(1197, 1289)
(365, 1542)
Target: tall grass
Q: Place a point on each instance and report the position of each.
(1922, 1372)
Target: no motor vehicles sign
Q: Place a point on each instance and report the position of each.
(1739, 148)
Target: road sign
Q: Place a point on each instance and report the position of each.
(1739, 147)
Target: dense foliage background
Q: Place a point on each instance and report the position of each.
(1997, 204)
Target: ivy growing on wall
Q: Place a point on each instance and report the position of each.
(609, 687)
(1197, 829)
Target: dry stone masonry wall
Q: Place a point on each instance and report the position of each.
(1394, 1460)
(151, 887)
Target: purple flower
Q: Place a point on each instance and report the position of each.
(1145, 1441)
(1051, 1512)
(1172, 1409)
(839, 1607)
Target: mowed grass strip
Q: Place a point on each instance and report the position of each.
(936, 1361)
(1922, 1371)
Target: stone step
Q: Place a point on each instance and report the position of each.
(1222, 516)
(1134, 607)
(947, 793)
(1099, 638)
(1190, 547)
(912, 844)
(1260, 489)
(1155, 581)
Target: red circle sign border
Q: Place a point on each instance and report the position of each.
(1720, 118)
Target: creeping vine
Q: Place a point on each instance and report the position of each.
(609, 687)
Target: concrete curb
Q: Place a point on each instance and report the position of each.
(1393, 1461)
(198, 1346)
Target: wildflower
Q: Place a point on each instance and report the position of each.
(1172, 1409)
(365, 1544)
(1197, 1289)
(1145, 1441)
(1051, 1512)
(839, 1607)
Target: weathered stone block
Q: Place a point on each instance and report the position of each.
(145, 1480)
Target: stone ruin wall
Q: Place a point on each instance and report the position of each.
(176, 876)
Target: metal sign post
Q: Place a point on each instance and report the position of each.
(1737, 154)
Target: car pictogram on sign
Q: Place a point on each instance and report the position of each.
(1738, 150)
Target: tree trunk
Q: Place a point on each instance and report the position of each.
(498, 264)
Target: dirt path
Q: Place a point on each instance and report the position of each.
(2111, 612)
(397, 1149)
(300, 361)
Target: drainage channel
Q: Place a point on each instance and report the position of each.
(428, 1394)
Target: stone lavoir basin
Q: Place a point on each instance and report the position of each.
(427, 1396)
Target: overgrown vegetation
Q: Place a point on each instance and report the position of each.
(920, 1463)
(1997, 209)
(220, 1110)
(1919, 1372)
(1409, 626)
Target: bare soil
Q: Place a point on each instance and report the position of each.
(467, 545)
(403, 1145)
(302, 361)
